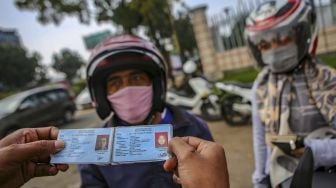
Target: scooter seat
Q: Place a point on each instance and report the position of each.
(182, 92)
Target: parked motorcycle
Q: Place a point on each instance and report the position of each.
(235, 101)
(195, 94)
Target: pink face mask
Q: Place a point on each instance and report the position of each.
(132, 104)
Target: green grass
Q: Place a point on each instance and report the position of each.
(329, 59)
(244, 75)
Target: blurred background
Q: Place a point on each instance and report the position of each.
(45, 46)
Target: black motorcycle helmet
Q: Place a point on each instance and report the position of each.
(120, 53)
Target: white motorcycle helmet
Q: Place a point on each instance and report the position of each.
(189, 67)
(281, 33)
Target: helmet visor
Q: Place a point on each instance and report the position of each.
(271, 40)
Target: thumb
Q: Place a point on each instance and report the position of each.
(42, 147)
(180, 148)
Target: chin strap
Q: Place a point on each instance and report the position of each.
(149, 120)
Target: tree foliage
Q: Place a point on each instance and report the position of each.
(126, 17)
(185, 33)
(18, 68)
(152, 15)
(129, 14)
(156, 17)
(68, 62)
(50, 11)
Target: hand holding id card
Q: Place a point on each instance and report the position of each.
(287, 143)
(116, 145)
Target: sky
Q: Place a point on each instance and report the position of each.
(49, 39)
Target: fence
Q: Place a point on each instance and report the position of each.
(222, 44)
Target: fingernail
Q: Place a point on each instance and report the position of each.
(59, 145)
(53, 171)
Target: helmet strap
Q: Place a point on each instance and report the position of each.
(302, 63)
(149, 120)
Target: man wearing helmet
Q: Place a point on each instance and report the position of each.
(127, 76)
(293, 94)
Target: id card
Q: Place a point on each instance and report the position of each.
(115, 145)
(85, 146)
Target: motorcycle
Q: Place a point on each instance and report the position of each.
(195, 94)
(235, 102)
(306, 174)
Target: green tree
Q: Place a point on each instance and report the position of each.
(157, 20)
(126, 16)
(18, 67)
(50, 11)
(152, 15)
(129, 14)
(155, 17)
(185, 33)
(69, 62)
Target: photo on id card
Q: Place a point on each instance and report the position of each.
(116, 145)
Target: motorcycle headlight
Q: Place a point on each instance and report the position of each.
(205, 95)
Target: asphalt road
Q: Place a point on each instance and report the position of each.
(237, 142)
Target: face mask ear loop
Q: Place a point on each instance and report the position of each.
(151, 116)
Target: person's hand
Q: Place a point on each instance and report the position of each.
(298, 152)
(197, 163)
(25, 154)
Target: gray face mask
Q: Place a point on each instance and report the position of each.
(282, 59)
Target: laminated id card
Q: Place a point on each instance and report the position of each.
(115, 145)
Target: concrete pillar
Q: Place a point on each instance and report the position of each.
(205, 43)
